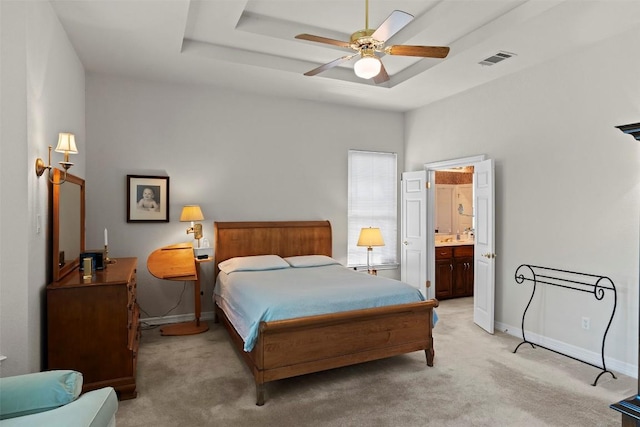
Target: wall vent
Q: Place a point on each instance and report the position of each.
(498, 57)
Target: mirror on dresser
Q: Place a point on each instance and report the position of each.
(67, 215)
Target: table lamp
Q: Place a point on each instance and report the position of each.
(193, 213)
(370, 237)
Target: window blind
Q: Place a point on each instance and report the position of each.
(372, 203)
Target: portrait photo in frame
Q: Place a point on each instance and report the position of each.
(147, 198)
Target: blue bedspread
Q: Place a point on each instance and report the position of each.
(256, 296)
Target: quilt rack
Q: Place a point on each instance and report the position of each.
(581, 282)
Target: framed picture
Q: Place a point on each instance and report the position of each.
(147, 198)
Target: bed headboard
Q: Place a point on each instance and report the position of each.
(284, 238)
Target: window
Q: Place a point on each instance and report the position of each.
(372, 203)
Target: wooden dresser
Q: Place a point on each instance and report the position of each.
(93, 327)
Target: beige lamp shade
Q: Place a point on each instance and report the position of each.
(191, 213)
(370, 237)
(66, 143)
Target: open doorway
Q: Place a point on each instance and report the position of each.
(454, 230)
(418, 265)
(481, 255)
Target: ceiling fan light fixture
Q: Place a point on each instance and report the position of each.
(367, 67)
(369, 41)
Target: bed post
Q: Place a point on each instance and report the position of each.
(259, 393)
(430, 352)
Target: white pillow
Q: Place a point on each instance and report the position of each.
(252, 263)
(310, 261)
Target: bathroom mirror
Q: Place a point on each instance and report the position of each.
(67, 224)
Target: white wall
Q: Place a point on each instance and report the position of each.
(568, 182)
(42, 85)
(240, 157)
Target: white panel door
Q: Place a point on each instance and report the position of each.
(413, 257)
(484, 255)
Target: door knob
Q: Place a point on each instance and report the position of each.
(489, 255)
(405, 243)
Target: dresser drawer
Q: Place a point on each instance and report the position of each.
(460, 251)
(444, 253)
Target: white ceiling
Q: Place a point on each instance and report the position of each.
(249, 45)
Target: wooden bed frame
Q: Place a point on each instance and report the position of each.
(288, 348)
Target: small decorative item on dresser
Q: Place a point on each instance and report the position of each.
(107, 260)
(97, 256)
(87, 269)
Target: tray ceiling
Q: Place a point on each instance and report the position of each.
(250, 45)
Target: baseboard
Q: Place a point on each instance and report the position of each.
(178, 318)
(571, 350)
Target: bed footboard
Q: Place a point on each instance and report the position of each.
(288, 348)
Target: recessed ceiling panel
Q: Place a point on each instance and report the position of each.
(250, 45)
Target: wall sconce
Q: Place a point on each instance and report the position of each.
(193, 213)
(66, 145)
(370, 237)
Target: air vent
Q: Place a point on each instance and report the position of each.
(498, 57)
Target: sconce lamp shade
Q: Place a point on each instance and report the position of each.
(370, 237)
(191, 213)
(66, 143)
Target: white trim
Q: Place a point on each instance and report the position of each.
(614, 365)
(463, 161)
(431, 200)
(178, 318)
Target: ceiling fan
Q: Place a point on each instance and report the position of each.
(369, 41)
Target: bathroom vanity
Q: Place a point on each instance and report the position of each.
(454, 269)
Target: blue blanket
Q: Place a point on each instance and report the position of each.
(256, 296)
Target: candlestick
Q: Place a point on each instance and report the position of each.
(106, 260)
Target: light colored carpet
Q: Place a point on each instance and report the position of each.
(476, 380)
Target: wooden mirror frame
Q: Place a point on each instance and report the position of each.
(59, 271)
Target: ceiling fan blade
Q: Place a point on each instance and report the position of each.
(423, 51)
(382, 75)
(329, 65)
(326, 40)
(394, 23)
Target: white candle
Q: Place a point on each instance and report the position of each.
(106, 240)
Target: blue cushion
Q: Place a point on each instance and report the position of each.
(38, 392)
(95, 408)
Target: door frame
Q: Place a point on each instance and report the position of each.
(431, 169)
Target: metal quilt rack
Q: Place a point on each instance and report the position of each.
(589, 283)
